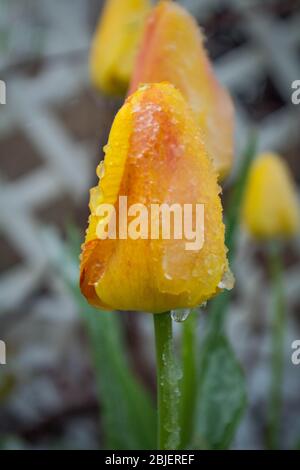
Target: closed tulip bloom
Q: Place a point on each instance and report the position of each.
(155, 155)
(115, 44)
(271, 208)
(172, 49)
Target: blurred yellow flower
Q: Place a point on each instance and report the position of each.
(155, 155)
(270, 208)
(172, 49)
(115, 44)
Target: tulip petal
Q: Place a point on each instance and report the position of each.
(156, 155)
(115, 44)
(271, 207)
(172, 50)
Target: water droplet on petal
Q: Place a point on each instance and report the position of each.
(168, 276)
(227, 281)
(106, 148)
(180, 314)
(100, 170)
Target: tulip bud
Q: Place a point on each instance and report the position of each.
(172, 50)
(115, 44)
(270, 207)
(155, 156)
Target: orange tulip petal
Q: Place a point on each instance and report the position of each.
(172, 50)
(156, 150)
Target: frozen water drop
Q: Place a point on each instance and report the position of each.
(136, 108)
(106, 148)
(168, 276)
(227, 281)
(180, 314)
(100, 170)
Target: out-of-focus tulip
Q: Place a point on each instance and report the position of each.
(270, 207)
(172, 50)
(115, 44)
(155, 155)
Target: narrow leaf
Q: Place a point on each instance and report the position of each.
(222, 394)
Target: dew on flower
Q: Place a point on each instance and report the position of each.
(168, 276)
(227, 281)
(100, 170)
(181, 314)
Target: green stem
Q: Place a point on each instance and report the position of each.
(277, 364)
(167, 383)
(189, 379)
(236, 198)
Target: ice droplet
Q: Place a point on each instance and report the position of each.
(180, 314)
(100, 170)
(106, 148)
(168, 276)
(227, 281)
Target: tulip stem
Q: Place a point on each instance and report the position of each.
(167, 383)
(277, 358)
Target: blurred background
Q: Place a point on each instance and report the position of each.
(52, 130)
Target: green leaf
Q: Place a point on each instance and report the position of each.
(128, 415)
(222, 394)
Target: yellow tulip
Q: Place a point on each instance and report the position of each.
(155, 155)
(270, 207)
(115, 44)
(172, 49)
